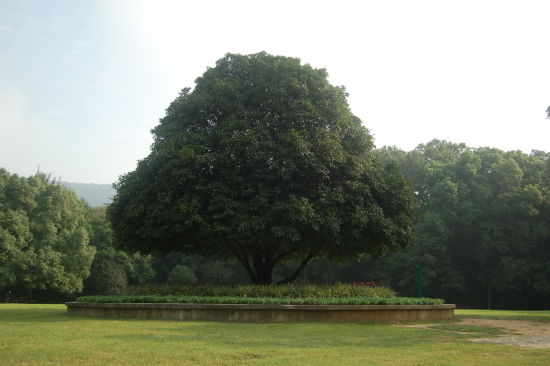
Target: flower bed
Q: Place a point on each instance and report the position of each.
(251, 303)
(261, 300)
(338, 290)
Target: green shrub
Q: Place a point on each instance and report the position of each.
(107, 277)
(262, 300)
(182, 275)
(338, 290)
(214, 273)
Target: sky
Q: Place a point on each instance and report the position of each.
(82, 83)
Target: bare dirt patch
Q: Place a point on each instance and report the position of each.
(523, 333)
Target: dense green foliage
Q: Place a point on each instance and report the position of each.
(52, 245)
(262, 300)
(338, 290)
(482, 219)
(108, 276)
(263, 162)
(182, 275)
(43, 236)
(482, 228)
(112, 270)
(481, 232)
(207, 270)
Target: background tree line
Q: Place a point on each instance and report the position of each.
(482, 227)
(481, 231)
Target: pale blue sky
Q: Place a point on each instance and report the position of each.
(83, 82)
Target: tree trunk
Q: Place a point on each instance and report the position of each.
(263, 266)
(265, 277)
(305, 261)
(260, 266)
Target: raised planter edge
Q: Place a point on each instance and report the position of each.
(265, 312)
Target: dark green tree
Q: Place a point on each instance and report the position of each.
(108, 275)
(481, 225)
(112, 270)
(264, 162)
(44, 236)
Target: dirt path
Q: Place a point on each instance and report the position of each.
(523, 333)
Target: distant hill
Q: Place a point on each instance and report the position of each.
(94, 194)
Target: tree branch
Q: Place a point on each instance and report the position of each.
(305, 261)
(243, 259)
(281, 256)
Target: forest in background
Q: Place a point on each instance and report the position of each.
(481, 232)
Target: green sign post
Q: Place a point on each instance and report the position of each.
(419, 280)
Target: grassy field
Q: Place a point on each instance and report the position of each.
(47, 335)
(535, 315)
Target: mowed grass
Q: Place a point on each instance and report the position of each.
(535, 315)
(47, 335)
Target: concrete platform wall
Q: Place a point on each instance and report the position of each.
(266, 313)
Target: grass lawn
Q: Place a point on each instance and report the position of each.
(536, 315)
(47, 335)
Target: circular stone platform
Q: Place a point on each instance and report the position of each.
(265, 313)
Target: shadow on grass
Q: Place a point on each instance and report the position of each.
(294, 335)
(36, 314)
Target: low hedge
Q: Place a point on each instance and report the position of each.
(261, 300)
(295, 291)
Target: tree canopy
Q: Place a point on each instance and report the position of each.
(43, 235)
(262, 161)
(482, 223)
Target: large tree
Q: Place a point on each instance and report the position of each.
(264, 162)
(43, 236)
